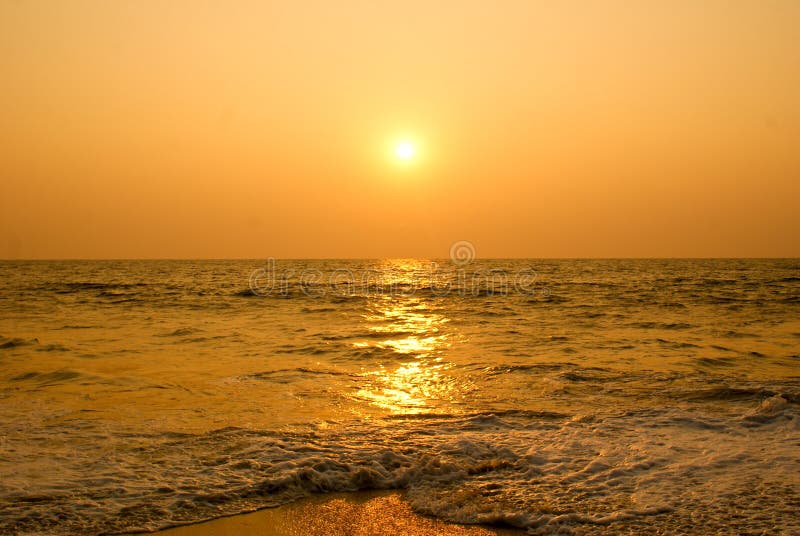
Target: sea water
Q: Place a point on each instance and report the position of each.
(570, 396)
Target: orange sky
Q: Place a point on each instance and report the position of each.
(543, 129)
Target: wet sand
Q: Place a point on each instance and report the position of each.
(352, 514)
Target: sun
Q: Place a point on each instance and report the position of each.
(404, 150)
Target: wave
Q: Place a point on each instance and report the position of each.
(78, 286)
(49, 378)
(676, 344)
(308, 349)
(546, 472)
(370, 335)
(726, 393)
(14, 342)
(714, 362)
(181, 332)
(299, 371)
(53, 347)
(773, 408)
(661, 325)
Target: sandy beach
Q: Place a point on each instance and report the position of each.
(355, 514)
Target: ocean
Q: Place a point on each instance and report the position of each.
(557, 396)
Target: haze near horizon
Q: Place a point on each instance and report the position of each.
(377, 129)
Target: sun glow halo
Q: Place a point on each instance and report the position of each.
(404, 150)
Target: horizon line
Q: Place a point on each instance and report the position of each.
(85, 259)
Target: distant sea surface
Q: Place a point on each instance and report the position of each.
(601, 395)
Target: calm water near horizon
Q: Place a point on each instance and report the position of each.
(552, 395)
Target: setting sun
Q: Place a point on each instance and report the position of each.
(404, 150)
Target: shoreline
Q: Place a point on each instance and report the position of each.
(362, 513)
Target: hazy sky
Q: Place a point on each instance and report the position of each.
(542, 129)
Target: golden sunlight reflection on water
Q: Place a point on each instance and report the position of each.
(413, 331)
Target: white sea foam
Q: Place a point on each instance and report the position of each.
(632, 471)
